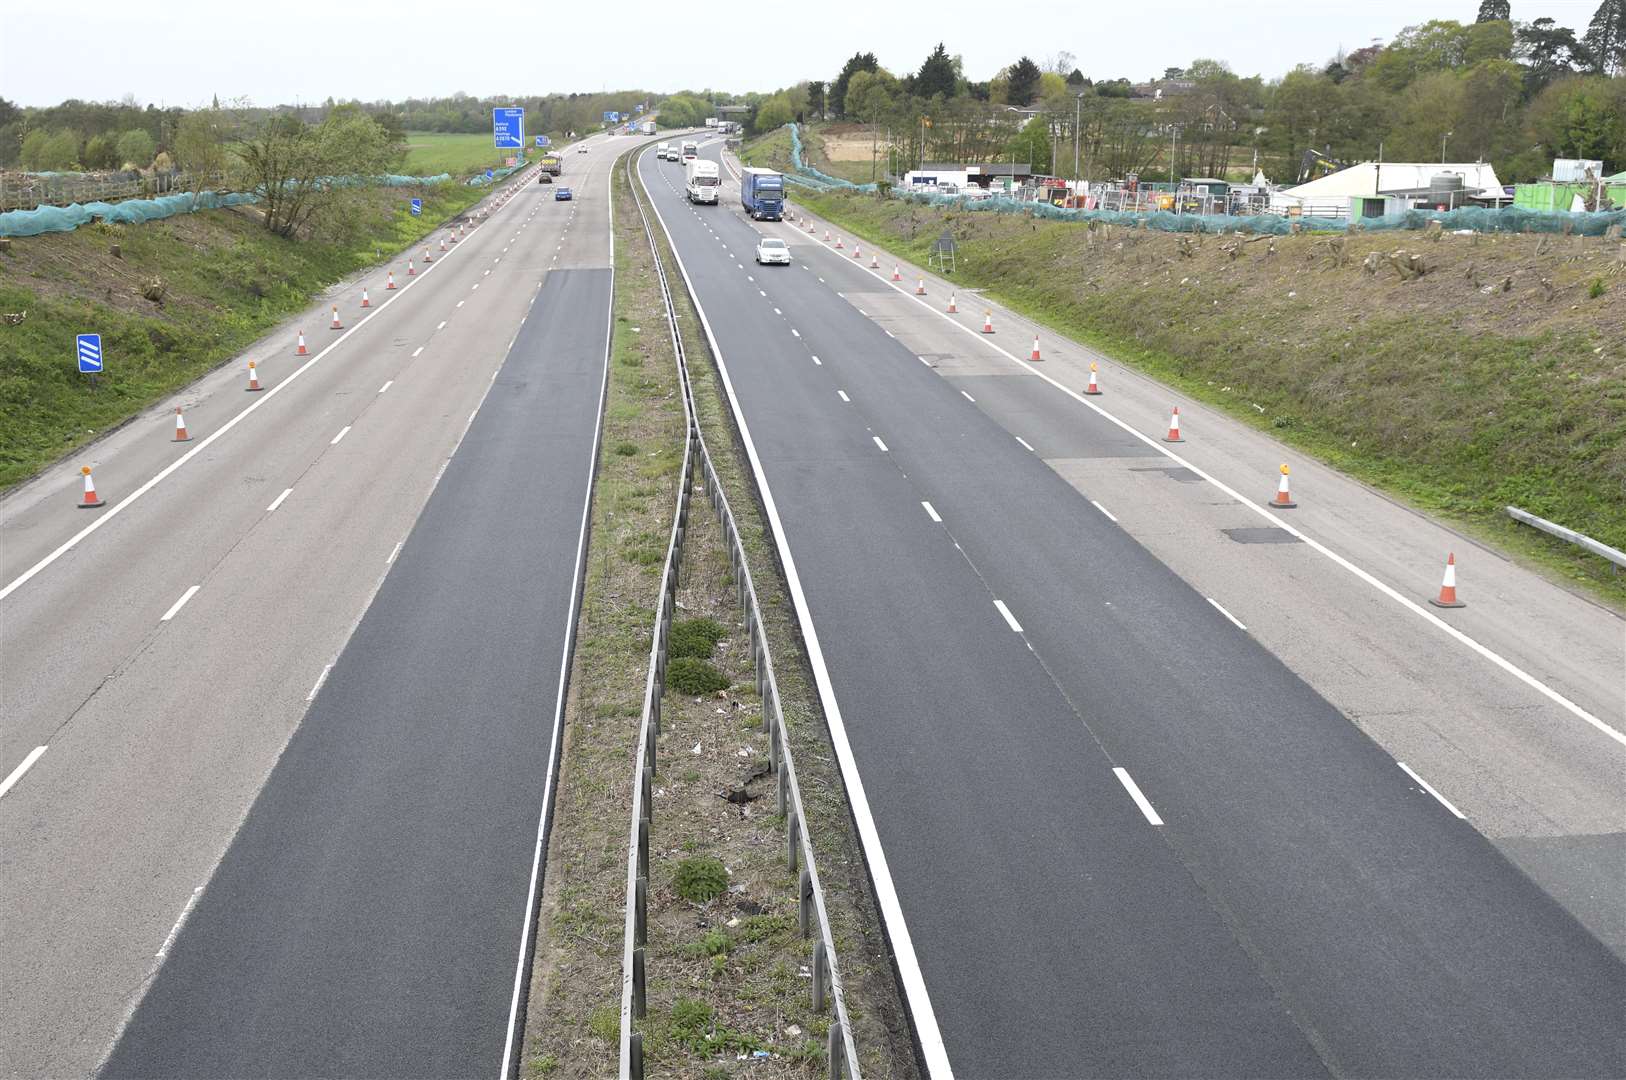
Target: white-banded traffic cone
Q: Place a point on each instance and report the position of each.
(427, 257)
(897, 275)
(90, 499)
(337, 325)
(838, 243)
(874, 263)
(1095, 387)
(180, 427)
(1448, 587)
(920, 288)
(253, 378)
(364, 301)
(301, 350)
(827, 236)
(443, 245)
(1283, 500)
(1174, 427)
(389, 283)
(411, 270)
(457, 234)
(988, 322)
(951, 308)
(1035, 357)
(858, 252)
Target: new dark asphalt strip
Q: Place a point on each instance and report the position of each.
(366, 919)
(1399, 941)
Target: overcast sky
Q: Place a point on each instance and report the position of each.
(183, 52)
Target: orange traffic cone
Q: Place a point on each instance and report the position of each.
(1035, 357)
(1283, 500)
(180, 427)
(1448, 587)
(920, 289)
(896, 276)
(411, 270)
(90, 500)
(874, 263)
(390, 283)
(1174, 427)
(428, 258)
(301, 351)
(253, 378)
(457, 234)
(1095, 387)
(337, 325)
(838, 243)
(988, 322)
(364, 301)
(443, 244)
(827, 236)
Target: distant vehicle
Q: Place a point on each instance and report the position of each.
(712, 121)
(700, 181)
(762, 193)
(581, 148)
(661, 150)
(690, 151)
(551, 163)
(544, 178)
(771, 249)
(561, 194)
(648, 127)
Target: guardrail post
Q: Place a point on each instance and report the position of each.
(646, 779)
(781, 789)
(638, 1003)
(804, 902)
(640, 913)
(654, 733)
(793, 840)
(821, 974)
(635, 1059)
(643, 845)
(836, 1052)
(773, 745)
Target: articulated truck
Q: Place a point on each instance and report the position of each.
(701, 180)
(762, 193)
(648, 127)
(551, 164)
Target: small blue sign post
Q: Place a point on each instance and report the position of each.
(488, 174)
(417, 207)
(89, 347)
(508, 128)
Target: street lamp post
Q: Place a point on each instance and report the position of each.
(1078, 106)
(1444, 137)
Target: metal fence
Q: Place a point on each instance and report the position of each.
(24, 191)
(813, 915)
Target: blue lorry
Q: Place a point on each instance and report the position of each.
(762, 193)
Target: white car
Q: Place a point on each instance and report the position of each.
(582, 148)
(771, 249)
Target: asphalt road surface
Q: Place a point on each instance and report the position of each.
(1127, 839)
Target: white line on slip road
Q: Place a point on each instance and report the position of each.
(17, 773)
(386, 386)
(442, 325)
(843, 395)
(476, 285)
(460, 303)
(931, 512)
(394, 552)
(795, 332)
(923, 360)
(191, 902)
(179, 604)
(968, 397)
(776, 311)
(417, 352)
(1134, 793)
(1103, 509)
(342, 433)
(1428, 787)
(864, 313)
(817, 361)
(761, 293)
(1009, 618)
(821, 281)
(879, 443)
(276, 502)
(1025, 444)
(1227, 614)
(320, 679)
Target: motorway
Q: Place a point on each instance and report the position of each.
(297, 698)
(1170, 853)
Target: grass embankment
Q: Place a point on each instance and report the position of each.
(430, 153)
(226, 282)
(1497, 378)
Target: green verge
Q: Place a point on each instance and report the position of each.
(227, 282)
(1451, 393)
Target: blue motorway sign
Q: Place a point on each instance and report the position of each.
(612, 117)
(417, 207)
(488, 174)
(543, 140)
(508, 128)
(90, 352)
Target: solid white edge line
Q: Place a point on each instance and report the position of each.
(1263, 511)
(441, 327)
(843, 395)
(342, 433)
(916, 997)
(1026, 445)
(174, 931)
(417, 352)
(931, 511)
(276, 502)
(1221, 609)
(386, 386)
(17, 773)
(390, 561)
(1135, 793)
(116, 508)
(179, 604)
(1009, 618)
(879, 443)
(968, 397)
(1104, 510)
(1428, 787)
(533, 897)
(320, 679)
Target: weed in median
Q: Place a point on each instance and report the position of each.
(694, 637)
(700, 878)
(711, 943)
(626, 449)
(694, 676)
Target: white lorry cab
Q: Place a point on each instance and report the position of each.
(690, 152)
(701, 181)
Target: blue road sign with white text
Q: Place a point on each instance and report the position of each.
(508, 128)
(543, 140)
(417, 207)
(611, 117)
(90, 353)
(488, 174)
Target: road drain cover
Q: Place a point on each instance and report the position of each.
(1174, 472)
(1264, 535)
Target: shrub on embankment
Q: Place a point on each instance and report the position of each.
(225, 282)
(1497, 377)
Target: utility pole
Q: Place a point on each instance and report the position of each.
(1444, 137)
(1078, 108)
